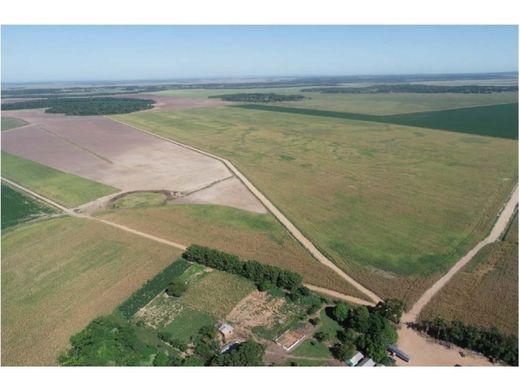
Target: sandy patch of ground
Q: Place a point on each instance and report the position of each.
(426, 352)
(256, 309)
(229, 192)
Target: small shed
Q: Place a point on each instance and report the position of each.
(225, 329)
(366, 362)
(355, 359)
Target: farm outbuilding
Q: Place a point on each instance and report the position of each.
(225, 329)
(366, 362)
(397, 352)
(355, 359)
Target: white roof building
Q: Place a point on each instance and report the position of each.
(355, 359)
(366, 362)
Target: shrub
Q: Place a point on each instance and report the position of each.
(176, 288)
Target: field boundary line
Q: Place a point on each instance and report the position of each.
(502, 223)
(293, 230)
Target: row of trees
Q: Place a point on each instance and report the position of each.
(257, 272)
(84, 106)
(258, 97)
(490, 342)
(416, 88)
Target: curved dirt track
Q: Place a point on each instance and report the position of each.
(335, 294)
(293, 230)
(500, 226)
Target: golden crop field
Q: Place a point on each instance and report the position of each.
(249, 235)
(59, 274)
(485, 292)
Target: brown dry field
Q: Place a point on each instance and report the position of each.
(175, 103)
(100, 149)
(485, 291)
(59, 274)
(249, 235)
(256, 309)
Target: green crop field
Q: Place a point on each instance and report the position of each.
(485, 292)
(494, 121)
(12, 123)
(64, 188)
(18, 207)
(372, 104)
(249, 235)
(59, 274)
(393, 205)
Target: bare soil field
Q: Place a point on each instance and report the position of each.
(256, 309)
(59, 274)
(229, 192)
(111, 153)
(175, 102)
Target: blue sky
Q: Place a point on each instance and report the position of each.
(68, 53)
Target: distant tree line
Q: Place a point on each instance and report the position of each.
(490, 342)
(84, 106)
(416, 88)
(258, 97)
(257, 272)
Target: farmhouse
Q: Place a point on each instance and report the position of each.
(355, 359)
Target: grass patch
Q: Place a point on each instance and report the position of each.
(138, 199)
(18, 207)
(187, 324)
(327, 324)
(12, 123)
(493, 121)
(312, 348)
(59, 274)
(64, 188)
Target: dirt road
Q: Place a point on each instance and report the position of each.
(425, 351)
(500, 226)
(293, 230)
(337, 295)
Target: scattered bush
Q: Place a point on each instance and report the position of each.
(176, 288)
(258, 97)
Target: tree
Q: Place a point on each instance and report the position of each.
(248, 353)
(342, 351)
(392, 309)
(341, 312)
(176, 288)
(323, 335)
(360, 319)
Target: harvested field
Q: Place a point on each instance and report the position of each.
(394, 206)
(249, 235)
(174, 102)
(59, 274)
(485, 292)
(230, 192)
(64, 188)
(111, 153)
